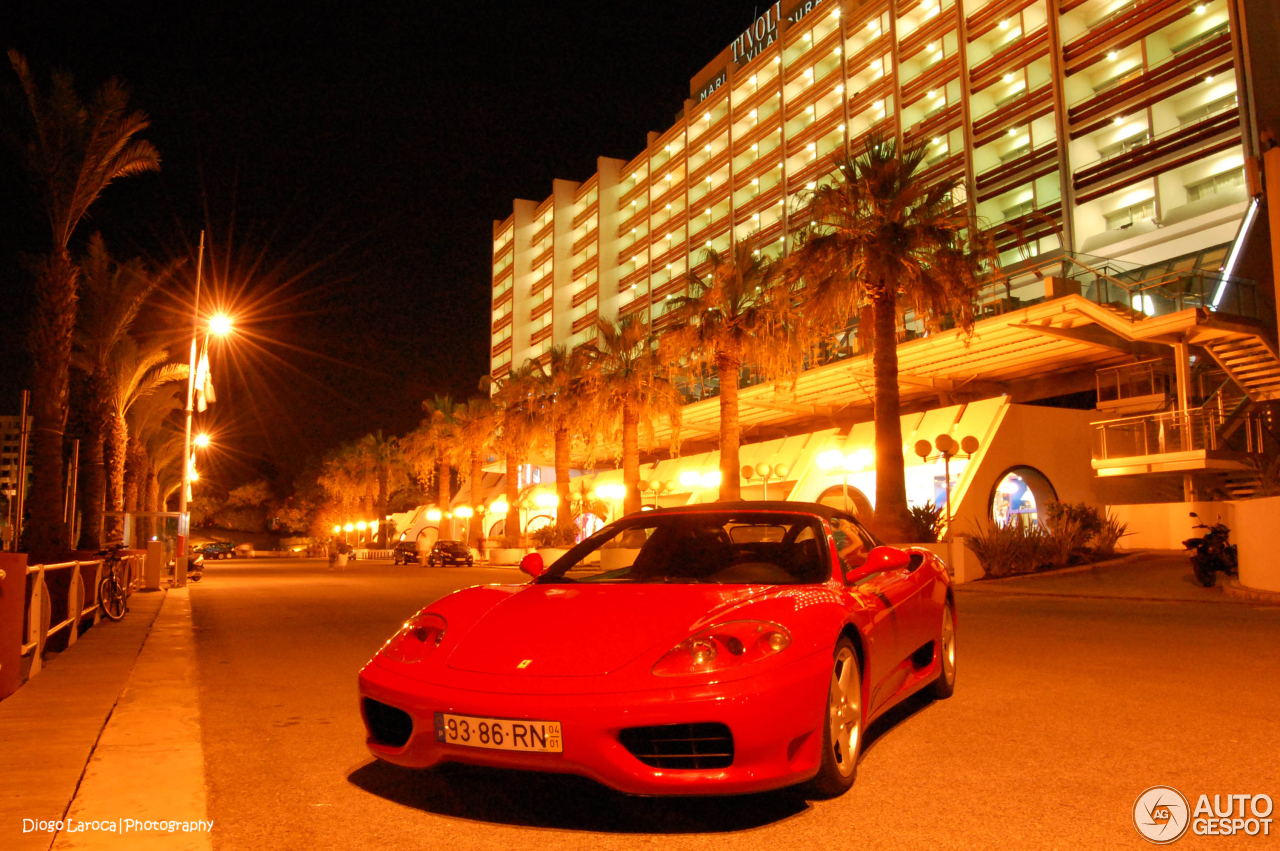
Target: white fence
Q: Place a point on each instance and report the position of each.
(74, 608)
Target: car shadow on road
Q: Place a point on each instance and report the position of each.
(566, 802)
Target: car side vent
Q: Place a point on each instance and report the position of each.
(387, 725)
(690, 746)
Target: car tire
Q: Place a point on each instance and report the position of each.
(945, 685)
(842, 727)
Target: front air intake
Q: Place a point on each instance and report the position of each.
(387, 725)
(687, 746)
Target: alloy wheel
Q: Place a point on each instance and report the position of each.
(844, 712)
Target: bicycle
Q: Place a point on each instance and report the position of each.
(112, 596)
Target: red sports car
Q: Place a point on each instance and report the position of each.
(706, 650)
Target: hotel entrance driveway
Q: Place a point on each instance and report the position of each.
(1066, 709)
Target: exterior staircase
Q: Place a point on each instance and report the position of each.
(1242, 484)
(1251, 362)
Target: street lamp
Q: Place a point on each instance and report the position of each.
(854, 462)
(201, 441)
(219, 325)
(765, 472)
(947, 449)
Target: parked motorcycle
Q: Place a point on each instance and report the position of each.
(1212, 553)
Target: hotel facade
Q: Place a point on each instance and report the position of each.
(1114, 148)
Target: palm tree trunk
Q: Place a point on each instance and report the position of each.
(153, 490)
(115, 445)
(564, 516)
(93, 484)
(51, 335)
(630, 458)
(476, 526)
(511, 534)
(131, 490)
(384, 499)
(444, 494)
(727, 367)
(893, 520)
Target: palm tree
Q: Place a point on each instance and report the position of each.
(516, 406)
(471, 444)
(442, 412)
(71, 152)
(132, 374)
(152, 437)
(380, 456)
(880, 236)
(562, 396)
(742, 313)
(631, 391)
(111, 295)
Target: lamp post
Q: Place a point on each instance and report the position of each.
(765, 472)
(947, 449)
(221, 326)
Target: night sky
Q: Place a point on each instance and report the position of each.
(348, 161)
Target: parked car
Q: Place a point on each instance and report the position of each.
(215, 549)
(449, 552)
(244, 551)
(718, 649)
(405, 552)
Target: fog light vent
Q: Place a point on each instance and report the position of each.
(689, 746)
(388, 725)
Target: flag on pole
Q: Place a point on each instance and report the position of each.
(204, 383)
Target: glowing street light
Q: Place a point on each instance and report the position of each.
(855, 462)
(220, 325)
(201, 440)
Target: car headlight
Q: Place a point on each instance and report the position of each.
(414, 642)
(723, 646)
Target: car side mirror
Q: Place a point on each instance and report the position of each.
(533, 565)
(1197, 516)
(879, 560)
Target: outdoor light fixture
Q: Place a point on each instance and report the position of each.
(350, 527)
(220, 324)
(434, 515)
(500, 507)
(337, 529)
(545, 500)
(690, 478)
(201, 440)
(361, 525)
(711, 479)
(463, 511)
(947, 447)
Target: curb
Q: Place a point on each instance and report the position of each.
(1233, 588)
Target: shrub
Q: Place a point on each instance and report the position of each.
(928, 521)
(1106, 538)
(1071, 526)
(1009, 549)
(550, 536)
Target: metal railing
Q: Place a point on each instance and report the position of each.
(1171, 432)
(73, 603)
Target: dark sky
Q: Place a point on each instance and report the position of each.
(348, 160)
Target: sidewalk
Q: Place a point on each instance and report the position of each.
(49, 728)
(1158, 575)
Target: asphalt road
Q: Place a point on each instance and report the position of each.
(1065, 710)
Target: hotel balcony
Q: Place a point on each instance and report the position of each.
(1200, 439)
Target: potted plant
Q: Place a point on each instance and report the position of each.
(551, 542)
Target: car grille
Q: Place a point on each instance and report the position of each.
(388, 725)
(692, 746)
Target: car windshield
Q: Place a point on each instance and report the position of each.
(452, 547)
(721, 548)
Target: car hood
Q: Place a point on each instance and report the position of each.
(588, 630)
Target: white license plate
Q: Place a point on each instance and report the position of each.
(499, 734)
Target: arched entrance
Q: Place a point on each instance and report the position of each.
(857, 504)
(537, 522)
(1020, 495)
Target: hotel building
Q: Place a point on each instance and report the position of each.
(1113, 147)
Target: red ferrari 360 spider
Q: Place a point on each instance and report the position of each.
(713, 649)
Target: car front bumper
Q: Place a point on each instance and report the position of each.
(775, 718)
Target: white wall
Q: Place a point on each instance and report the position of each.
(1254, 532)
(1165, 525)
